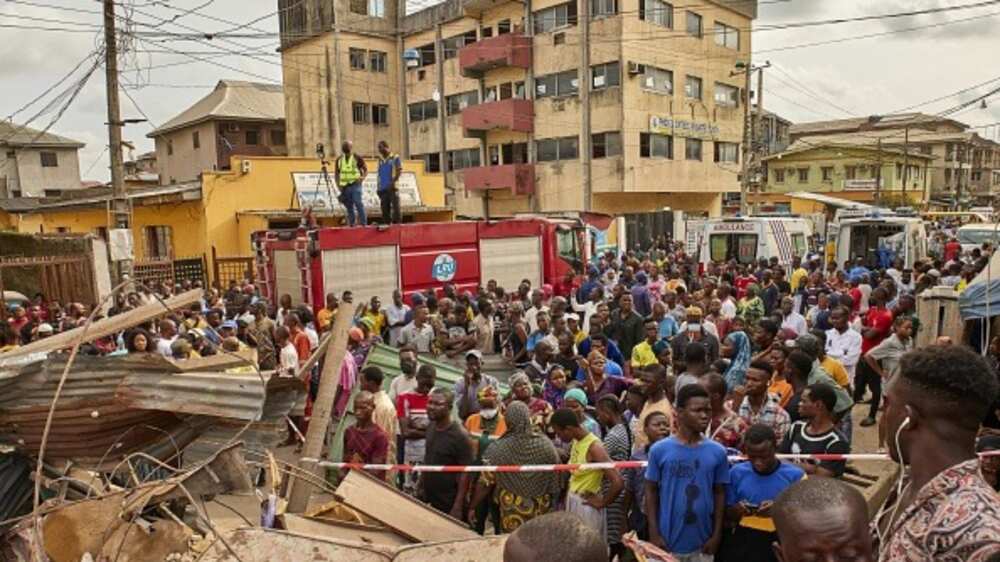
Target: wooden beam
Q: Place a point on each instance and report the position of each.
(105, 326)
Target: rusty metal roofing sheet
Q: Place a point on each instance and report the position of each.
(225, 395)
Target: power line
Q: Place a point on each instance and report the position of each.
(802, 88)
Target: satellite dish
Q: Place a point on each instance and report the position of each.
(412, 58)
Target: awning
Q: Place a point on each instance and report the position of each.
(981, 299)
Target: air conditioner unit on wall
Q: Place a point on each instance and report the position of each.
(636, 68)
(232, 127)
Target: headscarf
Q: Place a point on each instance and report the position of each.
(519, 377)
(576, 394)
(521, 445)
(736, 374)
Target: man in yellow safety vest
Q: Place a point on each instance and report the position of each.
(350, 171)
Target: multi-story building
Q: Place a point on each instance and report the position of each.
(236, 118)
(857, 172)
(37, 164)
(524, 107)
(965, 167)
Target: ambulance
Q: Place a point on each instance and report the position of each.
(748, 239)
(878, 237)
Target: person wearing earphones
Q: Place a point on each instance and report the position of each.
(942, 509)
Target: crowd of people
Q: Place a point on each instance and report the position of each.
(641, 357)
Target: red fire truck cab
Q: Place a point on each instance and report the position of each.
(376, 260)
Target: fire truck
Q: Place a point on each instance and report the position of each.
(376, 260)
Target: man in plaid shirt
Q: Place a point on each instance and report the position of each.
(759, 406)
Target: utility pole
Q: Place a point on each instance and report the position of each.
(585, 83)
(878, 175)
(121, 212)
(747, 141)
(906, 160)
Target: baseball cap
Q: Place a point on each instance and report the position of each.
(45, 328)
(474, 353)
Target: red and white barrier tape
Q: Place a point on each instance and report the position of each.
(573, 467)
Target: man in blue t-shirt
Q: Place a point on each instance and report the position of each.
(389, 169)
(686, 481)
(753, 487)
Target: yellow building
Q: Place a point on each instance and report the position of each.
(215, 216)
(524, 108)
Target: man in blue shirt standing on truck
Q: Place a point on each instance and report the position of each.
(389, 169)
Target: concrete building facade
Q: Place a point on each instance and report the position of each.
(36, 164)
(524, 108)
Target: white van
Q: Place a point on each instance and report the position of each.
(878, 238)
(973, 236)
(748, 239)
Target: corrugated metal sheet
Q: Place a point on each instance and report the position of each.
(387, 359)
(257, 439)
(15, 486)
(226, 395)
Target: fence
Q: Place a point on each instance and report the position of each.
(59, 278)
(154, 272)
(233, 268)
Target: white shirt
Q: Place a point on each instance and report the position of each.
(728, 310)
(288, 360)
(395, 315)
(531, 316)
(588, 308)
(312, 335)
(709, 326)
(420, 338)
(163, 346)
(866, 293)
(845, 348)
(795, 322)
(401, 385)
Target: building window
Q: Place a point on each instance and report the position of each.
(503, 27)
(432, 162)
(357, 57)
(692, 149)
(423, 110)
(850, 172)
(727, 36)
(427, 56)
(654, 145)
(380, 115)
(692, 87)
(779, 175)
(552, 150)
(827, 173)
(49, 159)
(657, 12)
(459, 159)
(561, 84)
(694, 27)
(727, 151)
(658, 80)
(454, 104)
(605, 75)
(603, 8)
(604, 145)
(726, 95)
(277, 137)
(158, 242)
(170, 147)
(361, 112)
(451, 45)
(377, 60)
(376, 8)
(252, 137)
(555, 17)
(196, 140)
(359, 7)
(803, 175)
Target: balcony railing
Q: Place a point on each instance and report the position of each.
(507, 50)
(519, 178)
(511, 114)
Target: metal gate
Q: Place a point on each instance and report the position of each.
(60, 278)
(232, 268)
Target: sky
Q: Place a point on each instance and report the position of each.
(896, 68)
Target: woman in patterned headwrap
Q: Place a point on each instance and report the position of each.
(751, 307)
(522, 496)
(521, 390)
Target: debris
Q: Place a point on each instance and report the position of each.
(399, 511)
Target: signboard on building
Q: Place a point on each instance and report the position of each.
(682, 128)
(319, 193)
(860, 185)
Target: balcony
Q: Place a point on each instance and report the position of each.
(519, 178)
(509, 49)
(511, 114)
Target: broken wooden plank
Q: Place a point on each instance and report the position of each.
(105, 326)
(342, 531)
(216, 362)
(399, 511)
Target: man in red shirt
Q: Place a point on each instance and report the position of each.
(565, 286)
(877, 327)
(952, 250)
(744, 280)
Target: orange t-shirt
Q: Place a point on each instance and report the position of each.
(783, 389)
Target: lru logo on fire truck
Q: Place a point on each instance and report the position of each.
(444, 268)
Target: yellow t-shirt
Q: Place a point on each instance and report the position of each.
(797, 276)
(836, 370)
(583, 482)
(377, 319)
(324, 318)
(642, 355)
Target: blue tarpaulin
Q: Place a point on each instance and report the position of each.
(981, 299)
